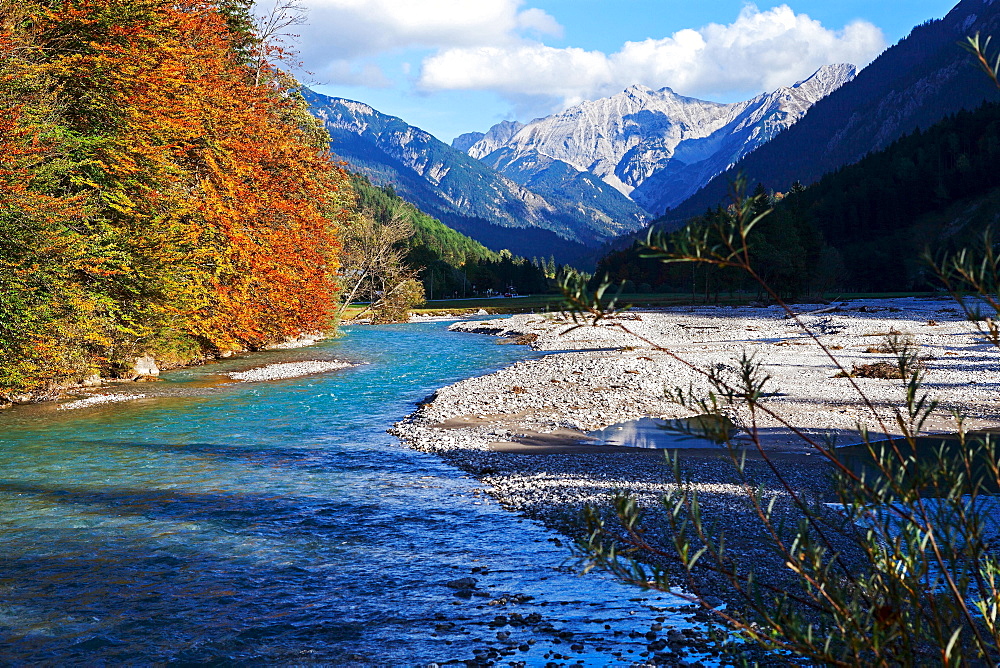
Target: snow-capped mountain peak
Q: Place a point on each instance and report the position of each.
(656, 146)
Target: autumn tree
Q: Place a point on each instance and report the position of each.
(175, 196)
(374, 265)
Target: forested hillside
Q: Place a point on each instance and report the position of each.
(449, 264)
(931, 189)
(162, 192)
(913, 84)
(864, 227)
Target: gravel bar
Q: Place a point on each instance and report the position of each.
(289, 370)
(98, 400)
(522, 430)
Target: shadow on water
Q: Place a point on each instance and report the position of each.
(927, 453)
(304, 457)
(177, 603)
(225, 510)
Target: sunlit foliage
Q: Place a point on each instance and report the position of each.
(162, 189)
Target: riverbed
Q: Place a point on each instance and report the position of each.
(219, 521)
(528, 430)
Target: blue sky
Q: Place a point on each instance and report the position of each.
(453, 66)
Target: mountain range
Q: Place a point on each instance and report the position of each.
(566, 184)
(914, 84)
(469, 196)
(654, 146)
(571, 182)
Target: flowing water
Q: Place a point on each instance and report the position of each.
(232, 523)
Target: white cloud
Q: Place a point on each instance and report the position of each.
(351, 29)
(538, 21)
(759, 51)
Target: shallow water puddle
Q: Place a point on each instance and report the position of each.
(701, 431)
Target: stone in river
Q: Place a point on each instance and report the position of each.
(463, 583)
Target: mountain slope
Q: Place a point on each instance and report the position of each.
(657, 147)
(496, 137)
(448, 262)
(911, 85)
(461, 191)
(464, 142)
(934, 189)
(864, 227)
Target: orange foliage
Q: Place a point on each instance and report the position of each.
(195, 198)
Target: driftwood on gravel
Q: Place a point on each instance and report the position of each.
(828, 309)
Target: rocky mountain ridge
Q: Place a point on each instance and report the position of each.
(654, 146)
(487, 142)
(466, 194)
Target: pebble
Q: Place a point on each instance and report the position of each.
(462, 583)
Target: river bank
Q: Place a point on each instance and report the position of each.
(523, 430)
(146, 368)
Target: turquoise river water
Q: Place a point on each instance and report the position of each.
(217, 522)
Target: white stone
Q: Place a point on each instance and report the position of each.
(145, 366)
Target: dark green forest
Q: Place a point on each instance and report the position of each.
(862, 228)
(449, 263)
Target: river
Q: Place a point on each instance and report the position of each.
(225, 522)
